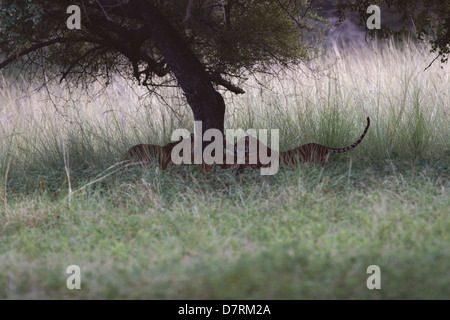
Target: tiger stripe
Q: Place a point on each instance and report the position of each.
(310, 152)
(316, 153)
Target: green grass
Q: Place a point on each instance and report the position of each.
(306, 233)
(300, 234)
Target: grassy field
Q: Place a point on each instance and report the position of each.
(305, 233)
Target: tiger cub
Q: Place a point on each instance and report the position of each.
(316, 153)
(148, 152)
(250, 157)
(311, 152)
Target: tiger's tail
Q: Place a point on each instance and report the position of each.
(345, 149)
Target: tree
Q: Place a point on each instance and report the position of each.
(198, 45)
(202, 44)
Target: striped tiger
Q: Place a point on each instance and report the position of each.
(311, 152)
(148, 152)
(316, 153)
(250, 158)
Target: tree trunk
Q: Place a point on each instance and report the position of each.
(206, 103)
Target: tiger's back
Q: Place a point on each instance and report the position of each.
(311, 152)
(148, 152)
(145, 153)
(316, 153)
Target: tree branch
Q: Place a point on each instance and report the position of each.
(47, 43)
(188, 11)
(217, 79)
(78, 60)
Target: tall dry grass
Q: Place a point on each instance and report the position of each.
(42, 133)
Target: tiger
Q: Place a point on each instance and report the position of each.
(316, 153)
(146, 153)
(310, 152)
(250, 157)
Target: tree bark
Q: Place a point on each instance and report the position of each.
(206, 103)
